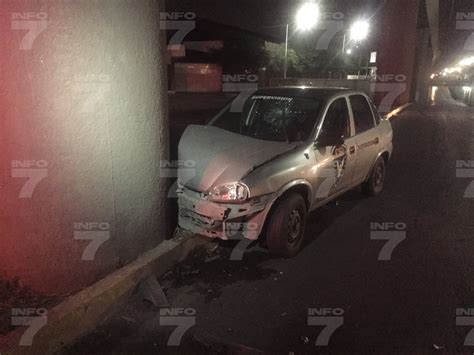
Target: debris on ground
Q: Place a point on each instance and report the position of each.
(211, 248)
(188, 268)
(167, 275)
(14, 295)
(152, 291)
(212, 251)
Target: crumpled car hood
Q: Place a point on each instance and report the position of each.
(219, 156)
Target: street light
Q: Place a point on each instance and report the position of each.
(306, 18)
(359, 30)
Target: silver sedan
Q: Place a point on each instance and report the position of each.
(270, 157)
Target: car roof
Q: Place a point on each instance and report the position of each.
(305, 91)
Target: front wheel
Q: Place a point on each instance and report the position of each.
(374, 185)
(286, 226)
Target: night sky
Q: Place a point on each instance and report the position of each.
(266, 17)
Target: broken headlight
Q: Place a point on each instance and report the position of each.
(229, 193)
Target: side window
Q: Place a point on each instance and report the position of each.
(376, 113)
(363, 118)
(337, 122)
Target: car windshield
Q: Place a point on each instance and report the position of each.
(272, 118)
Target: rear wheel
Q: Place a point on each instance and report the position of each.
(285, 229)
(374, 185)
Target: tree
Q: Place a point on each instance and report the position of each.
(275, 54)
(242, 55)
(305, 61)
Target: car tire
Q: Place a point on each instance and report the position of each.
(285, 229)
(374, 185)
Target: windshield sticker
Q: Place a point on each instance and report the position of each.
(278, 98)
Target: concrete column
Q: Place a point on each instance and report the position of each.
(423, 67)
(396, 54)
(83, 127)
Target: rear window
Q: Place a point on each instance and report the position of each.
(363, 117)
(337, 122)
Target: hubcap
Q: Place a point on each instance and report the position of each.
(378, 178)
(294, 224)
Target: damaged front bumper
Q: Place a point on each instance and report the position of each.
(225, 221)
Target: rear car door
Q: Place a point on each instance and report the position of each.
(366, 136)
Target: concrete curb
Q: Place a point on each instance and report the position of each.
(82, 312)
(398, 110)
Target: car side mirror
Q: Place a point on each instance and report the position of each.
(328, 140)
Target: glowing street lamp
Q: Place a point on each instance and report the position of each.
(359, 30)
(307, 18)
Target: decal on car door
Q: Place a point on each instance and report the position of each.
(339, 163)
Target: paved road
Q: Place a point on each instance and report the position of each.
(407, 304)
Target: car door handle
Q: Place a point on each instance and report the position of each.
(376, 141)
(352, 150)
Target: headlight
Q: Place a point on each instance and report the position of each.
(230, 193)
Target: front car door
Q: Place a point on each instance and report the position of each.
(336, 165)
(366, 136)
